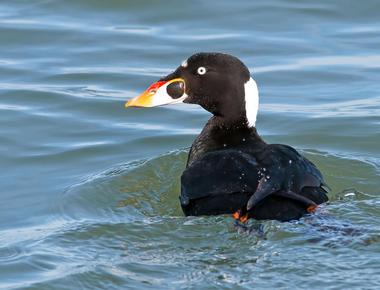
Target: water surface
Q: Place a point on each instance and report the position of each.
(89, 190)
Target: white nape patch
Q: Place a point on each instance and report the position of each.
(184, 63)
(251, 95)
(161, 97)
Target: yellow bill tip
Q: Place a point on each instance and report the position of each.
(130, 103)
(144, 100)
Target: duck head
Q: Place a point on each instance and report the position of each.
(218, 82)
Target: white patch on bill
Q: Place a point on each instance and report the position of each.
(251, 95)
(161, 97)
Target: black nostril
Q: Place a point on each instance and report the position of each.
(176, 89)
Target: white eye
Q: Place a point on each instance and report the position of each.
(201, 70)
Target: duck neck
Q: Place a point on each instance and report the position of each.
(233, 131)
(230, 124)
(221, 134)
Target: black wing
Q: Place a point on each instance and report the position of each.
(275, 182)
(284, 170)
(220, 182)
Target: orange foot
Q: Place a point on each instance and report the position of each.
(242, 218)
(312, 208)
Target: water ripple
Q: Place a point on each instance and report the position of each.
(89, 199)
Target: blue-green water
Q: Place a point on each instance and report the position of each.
(89, 190)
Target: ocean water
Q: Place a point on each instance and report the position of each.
(89, 190)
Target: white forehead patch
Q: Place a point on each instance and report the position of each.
(251, 101)
(184, 63)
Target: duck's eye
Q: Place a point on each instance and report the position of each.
(201, 70)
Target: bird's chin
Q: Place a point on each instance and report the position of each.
(189, 100)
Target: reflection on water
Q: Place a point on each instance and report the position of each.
(89, 190)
